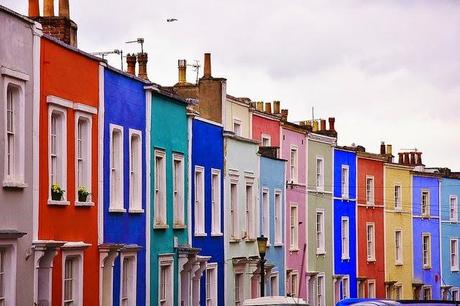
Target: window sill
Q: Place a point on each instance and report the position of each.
(200, 234)
(398, 210)
(14, 185)
(454, 270)
(371, 261)
(234, 240)
(58, 203)
(117, 210)
(279, 244)
(345, 258)
(84, 204)
(427, 268)
(216, 234)
(370, 205)
(179, 226)
(250, 240)
(320, 253)
(160, 226)
(426, 217)
(398, 264)
(136, 211)
(293, 249)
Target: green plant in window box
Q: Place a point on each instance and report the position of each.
(56, 192)
(83, 194)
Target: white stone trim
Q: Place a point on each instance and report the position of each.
(14, 74)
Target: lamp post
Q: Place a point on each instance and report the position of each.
(262, 245)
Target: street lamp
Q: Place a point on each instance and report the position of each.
(262, 245)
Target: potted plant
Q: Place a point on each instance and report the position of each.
(56, 192)
(83, 194)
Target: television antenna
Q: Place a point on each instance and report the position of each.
(139, 41)
(103, 54)
(196, 67)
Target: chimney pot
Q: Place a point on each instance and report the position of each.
(400, 158)
(182, 66)
(64, 8)
(419, 158)
(315, 125)
(268, 107)
(260, 106)
(34, 9)
(406, 158)
(207, 65)
(142, 59)
(412, 158)
(332, 123)
(323, 125)
(382, 148)
(276, 107)
(131, 61)
(48, 8)
(389, 149)
(284, 114)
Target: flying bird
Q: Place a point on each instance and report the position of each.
(171, 19)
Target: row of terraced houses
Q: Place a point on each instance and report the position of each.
(119, 191)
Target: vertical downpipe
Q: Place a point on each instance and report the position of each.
(148, 128)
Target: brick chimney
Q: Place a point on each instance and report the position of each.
(260, 106)
(419, 158)
(182, 67)
(207, 66)
(142, 59)
(276, 107)
(268, 107)
(400, 158)
(332, 123)
(60, 27)
(323, 124)
(131, 61)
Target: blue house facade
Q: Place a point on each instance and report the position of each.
(426, 244)
(450, 237)
(271, 218)
(124, 189)
(207, 206)
(345, 224)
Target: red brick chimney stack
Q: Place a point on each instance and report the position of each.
(131, 61)
(34, 8)
(207, 65)
(142, 59)
(64, 8)
(332, 123)
(323, 124)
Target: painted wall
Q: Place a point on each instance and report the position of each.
(398, 220)
(272, 178)
(371, 270)
(125, 106)
(322, 201)
(267, 126)
(207, 152)
(169, 133)
(345, 207)
(296, 260)
(16, 204)
(238, 110)
(449, 230)
(234, 149)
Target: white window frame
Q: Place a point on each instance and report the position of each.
(16, 177)
(87, 146)
(160, 208)
(168, 262)
(370, 191)
(397, 200)
(345, 287)
(278, 218)
(398, 291)
(131, 278)
(321, 290)
(239, 279)
(250, 209)
(135, 172)
(320, 235)
(294, 283)
(265, 226)
(345, 237)
(430, 292)
(216, 200)
(61, 149)
(178, 191)
(425, 206)
(426, 253)
(370, 238)
(274, 284)
(10, 268)
(234, 209)
(266, 137)
(237, 127)
(294, 227)
(116, 162)
(77, 288)
(371, 293)
(345, 182)
(454, 293)
(199, 209)
(294, 164)
(398, 248)
(453, 208)
(211, 299)
(319, 174)
(453, 255)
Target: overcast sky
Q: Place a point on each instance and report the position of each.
(387, 70)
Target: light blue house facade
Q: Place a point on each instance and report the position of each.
(124, 189)
(345, 256)
(450, 237)
(426, 244)
(207, 206)
(272, 221)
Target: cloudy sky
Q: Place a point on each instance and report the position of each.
(387, 70)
